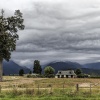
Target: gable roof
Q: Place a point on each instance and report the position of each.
(68, 72)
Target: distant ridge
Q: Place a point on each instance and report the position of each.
(12, 68)
(95, 65)
(91, 68)
(63, 65)
(87, 68)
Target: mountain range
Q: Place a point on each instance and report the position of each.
(95, 66)
(90, 68)
(63, 65)
(12, 68)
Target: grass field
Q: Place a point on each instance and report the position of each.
(21, 88)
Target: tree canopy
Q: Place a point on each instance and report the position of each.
(78, 72)
(8, 33)
(37, 67)
(21, 72)
(49, 71)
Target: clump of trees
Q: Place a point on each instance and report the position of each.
(37, 67)
(36, 70)
(80, 74)
(21, 72)
(8, 35)
(49, 71)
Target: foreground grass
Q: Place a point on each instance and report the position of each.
(57, 94)
(47, 89)
(49, 97)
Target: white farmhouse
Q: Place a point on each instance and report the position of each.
(66, 74)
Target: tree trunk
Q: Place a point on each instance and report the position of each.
(1, 69)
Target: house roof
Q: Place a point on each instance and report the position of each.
(68, 72)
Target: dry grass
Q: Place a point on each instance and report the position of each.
(64, 88)
(68, 82)
(18, 81)
(23, 82)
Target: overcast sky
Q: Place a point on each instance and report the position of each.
(57, 30)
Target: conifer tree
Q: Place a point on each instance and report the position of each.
(21, 72)
(37, 67)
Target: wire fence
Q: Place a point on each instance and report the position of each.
(51, 88)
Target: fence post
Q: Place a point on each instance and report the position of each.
(0, 88)
(77, 87)
(90, 89)
(51, 89)
(63, 87)
(38, 89)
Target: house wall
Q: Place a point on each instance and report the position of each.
(56, 76)
(64, 76)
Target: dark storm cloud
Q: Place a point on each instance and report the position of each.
(57, 30)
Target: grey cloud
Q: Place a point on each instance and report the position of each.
(61, 30)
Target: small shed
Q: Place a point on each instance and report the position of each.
(66, 74)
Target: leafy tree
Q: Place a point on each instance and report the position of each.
(49, 71)
(37, 67)
(78, 72)
(21, 72)
(8, 35)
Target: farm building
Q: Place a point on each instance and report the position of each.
(66, 74)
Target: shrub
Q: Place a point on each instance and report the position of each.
(49, 71)
(83, 76)
(50, 75)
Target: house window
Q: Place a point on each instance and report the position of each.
(58, 76)
(71, 76)
(66, 76)
(59, 72)
(62, 76)
(70, 72)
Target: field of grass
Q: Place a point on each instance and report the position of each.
(22, 88)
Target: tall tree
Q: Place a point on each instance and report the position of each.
(8, 35)
(37, 67)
